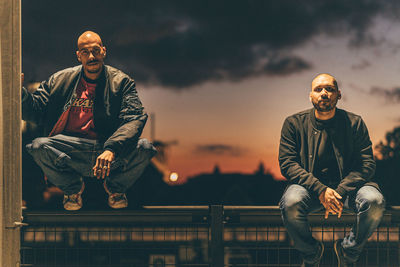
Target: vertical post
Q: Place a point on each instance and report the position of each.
(152, 127)
(217, 232)
(10, 136)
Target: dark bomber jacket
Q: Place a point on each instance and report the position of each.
(352, 147)
(118, 113)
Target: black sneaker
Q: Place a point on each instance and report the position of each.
(315, 264)
(74, 201)
(116, 200)
(340, 255)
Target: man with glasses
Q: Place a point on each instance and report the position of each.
(93, 118)
(326, 155)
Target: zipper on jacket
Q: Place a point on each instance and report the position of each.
(316, 136)
(337, 160)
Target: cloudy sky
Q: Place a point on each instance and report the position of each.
(221, 76)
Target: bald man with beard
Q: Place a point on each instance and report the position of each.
(92, 119)
(326, 155)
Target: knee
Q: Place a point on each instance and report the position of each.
(377, 202)
(38, 145)
(144, 144)
(292, 204)
(374, 204)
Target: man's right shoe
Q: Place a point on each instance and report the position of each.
(340, 255)
(116, 200)
(315, 264)
(74, 201)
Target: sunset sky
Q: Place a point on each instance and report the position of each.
(221, 76)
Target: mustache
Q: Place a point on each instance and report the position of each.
(93, 61)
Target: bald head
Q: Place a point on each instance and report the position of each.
(91, 54)
(324, 95)
(89, 37)
(324, 78)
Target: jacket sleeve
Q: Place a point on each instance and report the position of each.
(34, 104)
(132, 118)
(363, 166)
(290, 164)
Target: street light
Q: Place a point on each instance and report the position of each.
(173, 177)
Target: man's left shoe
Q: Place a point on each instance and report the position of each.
(74, 201)
(340, 255)
(116, 200)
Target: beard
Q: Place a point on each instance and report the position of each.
(325, 106)
(97, 70)
(93, 68)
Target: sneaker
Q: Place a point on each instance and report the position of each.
(315, 264)
(116, 200)
(340, 255)
(74, 201)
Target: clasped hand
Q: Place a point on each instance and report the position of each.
(103, 164)
(330, 199)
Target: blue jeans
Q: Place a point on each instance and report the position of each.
(367, 203)
(66, 159)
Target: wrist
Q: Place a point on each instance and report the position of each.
(110, 150)
(321, 193)
(341, 191)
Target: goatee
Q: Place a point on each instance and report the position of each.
(323, 108)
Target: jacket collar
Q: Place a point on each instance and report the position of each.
(319, 126)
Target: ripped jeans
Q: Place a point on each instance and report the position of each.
(367, 203)
(66, 159)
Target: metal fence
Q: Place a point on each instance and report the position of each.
(188, 236)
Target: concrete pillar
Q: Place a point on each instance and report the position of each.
(10, 133)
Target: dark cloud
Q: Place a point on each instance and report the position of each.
(286, 65)
(219, 149)
(179, 43)
(361, 65)
(391, 95)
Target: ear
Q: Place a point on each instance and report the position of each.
(309, 97)
(339, 95)
(105, 51)
(78, 56)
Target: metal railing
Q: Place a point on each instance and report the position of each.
(213, 236)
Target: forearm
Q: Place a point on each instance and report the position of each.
(289, 161)
(350, 183)
(33, 105)
(363, 165)
(362, 172)
(126, 136)
(298, 175)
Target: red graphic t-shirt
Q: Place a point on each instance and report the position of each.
(80, 119)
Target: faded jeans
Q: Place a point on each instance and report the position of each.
(66, 159)
(367, 203)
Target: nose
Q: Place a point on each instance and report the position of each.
(91, 54)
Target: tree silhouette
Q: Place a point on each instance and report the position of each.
(391, 147)
(216, 170)
(387, 155)
(261, 169)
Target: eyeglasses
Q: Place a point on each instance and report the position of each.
(329, 89)
(86, 52)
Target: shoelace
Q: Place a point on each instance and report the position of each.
(73, 198)
(117, 197)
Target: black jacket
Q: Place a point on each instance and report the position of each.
(352, 147)
(118, 113)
